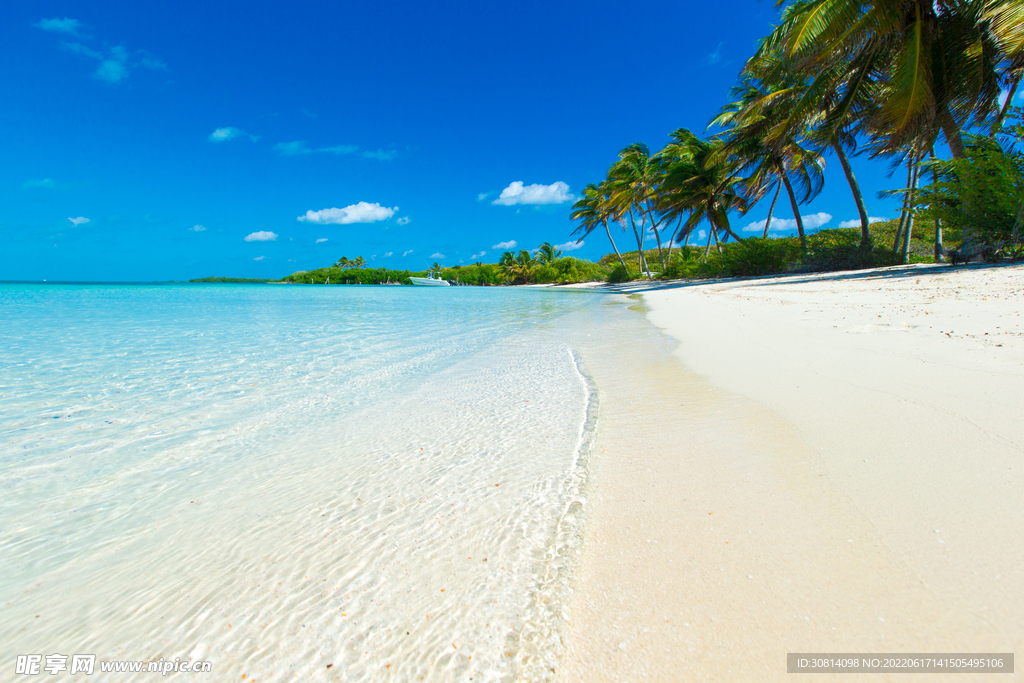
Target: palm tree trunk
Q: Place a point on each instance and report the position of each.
(711, 233)
(952, 132)
(728, 231)
(771, 210)
(908, 233)
(718, 245)
(1006, 105)
(673, 240)
(858, 197)
(615, 247)
(940, 251)
(641, 261)
(654, 227)
(903, 211)
(796, 209)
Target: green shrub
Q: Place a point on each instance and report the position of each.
(620, 274)
(757, 256)
(980, 193)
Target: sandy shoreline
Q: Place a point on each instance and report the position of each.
(821, 463)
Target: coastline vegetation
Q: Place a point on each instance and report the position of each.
(543, 265)
(889, 79)
(233, 280)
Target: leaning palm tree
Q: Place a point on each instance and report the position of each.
(592, 209)
(359, 262)
(752, 138)
(703, 184)
(929, 64)
(817, 116)
(633, 185)
(1006, 23)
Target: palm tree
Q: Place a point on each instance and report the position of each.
(754, 139)
(435, 266)
(926, 65)
(507, 265)
(819, 116)
(359, 262)
(525, 262)
(547, 253)
(592, 209)
(343, 262)
(633, 182)
(702, 183)
(1006, 22)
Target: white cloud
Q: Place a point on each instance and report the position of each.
(322, 239)
(482, 196)
(80, 49)
(569, 246)
(114, 68)
(153, 63)
(437, 254)
(713, 57)
(701, 234)
(511, 244)
(229, 133)
(115, 65)
(65, 25)
(261, 236)
(339, 149)
(478, 255)
(757, 226)
(517, 193)
(294, 148)
(363, 212)
(406, 253)
(404, 220)
(259, 258)
(814, 220)
(855, 223)
(45, 183)
(380, 154)
(81, 220)
(198, 228)
(299, 147)
(387, 253)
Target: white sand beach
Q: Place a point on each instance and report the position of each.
(814, 463)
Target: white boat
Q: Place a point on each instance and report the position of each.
(430, 280)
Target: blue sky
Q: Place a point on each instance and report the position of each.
(176, 140)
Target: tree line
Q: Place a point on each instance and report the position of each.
(885, 78)
(544, 265)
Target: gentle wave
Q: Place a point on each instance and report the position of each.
(281, 479)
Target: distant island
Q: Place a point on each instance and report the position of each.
(235, 280)
(543, 265)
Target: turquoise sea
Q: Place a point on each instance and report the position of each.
(359, 483)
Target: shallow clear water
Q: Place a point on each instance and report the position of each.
(277, 479)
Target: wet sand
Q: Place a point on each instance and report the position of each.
(823, 463)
